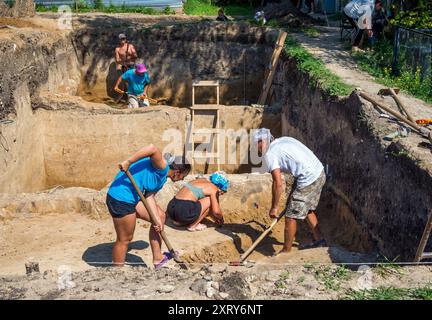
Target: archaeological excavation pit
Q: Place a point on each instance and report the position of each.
(65, 135)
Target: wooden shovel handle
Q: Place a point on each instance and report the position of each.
(154, 218)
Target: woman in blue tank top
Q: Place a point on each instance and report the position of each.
(198, 199)
(150, 171)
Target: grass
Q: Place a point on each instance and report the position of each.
(85, 8)
(377, 61)
(390, 267)
(329, 276)
(311, 32)
(206, 8)
(329, 82)
(391, 293)
(191, 7)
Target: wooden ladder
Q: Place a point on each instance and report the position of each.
(270, 72)
(420, 254)
(214, 132)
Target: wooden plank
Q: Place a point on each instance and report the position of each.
(192, 142)
(420, 254)
(193, 96)
(205, 83)
(269, 80)
(209, 107)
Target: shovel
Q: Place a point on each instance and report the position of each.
(393, 93)
(244, 256)
(155, 219)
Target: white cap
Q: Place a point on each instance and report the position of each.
(262, 134)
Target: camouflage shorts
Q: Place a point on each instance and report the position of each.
(306, 199)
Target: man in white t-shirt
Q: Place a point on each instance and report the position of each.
(290, 155)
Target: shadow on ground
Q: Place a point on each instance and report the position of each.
(100, 255)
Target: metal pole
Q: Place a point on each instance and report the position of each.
(396, 44)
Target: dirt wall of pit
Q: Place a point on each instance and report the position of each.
(388, 195)
(30, 60)
(236, 54)
(82, 148)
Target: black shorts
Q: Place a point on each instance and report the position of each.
(119, 209)
(184, 211)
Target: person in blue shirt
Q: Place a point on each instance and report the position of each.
(150, 171)
(198, 199)
(137, 82)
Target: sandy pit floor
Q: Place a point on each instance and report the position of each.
(82, 242)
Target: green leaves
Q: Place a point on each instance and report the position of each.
(329, 82)
(416, 18)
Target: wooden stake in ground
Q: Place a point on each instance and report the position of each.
(271, 71)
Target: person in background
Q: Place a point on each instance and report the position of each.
(379, 21)
(137, 82)
(309, 3)
(125, 54)
(359, 14)
(260, 17)
(221, 15)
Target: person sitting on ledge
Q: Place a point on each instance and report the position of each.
(198, 199)
(221, 15)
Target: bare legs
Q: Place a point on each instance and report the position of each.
(291, 229)
(205, 210)
(125, 228)
(154, 236)
(312, 221)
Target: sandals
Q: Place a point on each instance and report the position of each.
(167, 256)
(198, 227)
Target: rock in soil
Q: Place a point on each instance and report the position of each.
(200, 286)
(224, 295)
(215, 285)
(210, 292)
(236, 286)
(166, 288)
